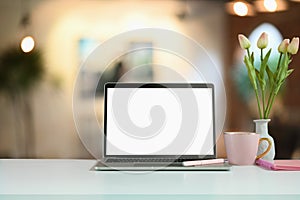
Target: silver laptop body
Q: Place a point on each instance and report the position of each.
(158, 126)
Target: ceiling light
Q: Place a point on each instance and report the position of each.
(270, 5)
(240, 8)
(27, 44)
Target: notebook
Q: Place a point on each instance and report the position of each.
(289, 165)
(158, 126)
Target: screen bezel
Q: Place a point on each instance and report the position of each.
(159, 85)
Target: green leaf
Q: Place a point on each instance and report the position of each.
(288, 72)
(252, 58)
(277, 88)
(251, 72)
(262, 81)
(286, 63)
(282, 69)
(264, 65)
(285, 70)
(271, 76)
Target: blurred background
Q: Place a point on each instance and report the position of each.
(44, 43)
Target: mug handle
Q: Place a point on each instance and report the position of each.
(267, 150)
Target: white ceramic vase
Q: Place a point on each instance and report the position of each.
(261, 127)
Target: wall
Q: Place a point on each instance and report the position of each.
(57, 26)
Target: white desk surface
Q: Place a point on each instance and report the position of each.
(73, 177)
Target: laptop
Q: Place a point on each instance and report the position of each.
(158, 126)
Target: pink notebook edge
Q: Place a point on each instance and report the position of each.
(288, 165)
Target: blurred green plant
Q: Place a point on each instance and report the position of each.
(19, 73)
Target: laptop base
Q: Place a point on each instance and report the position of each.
(99, 166)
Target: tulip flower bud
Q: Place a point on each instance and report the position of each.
(244, 42)
(262, 41)
(282, 48)
(293, 46)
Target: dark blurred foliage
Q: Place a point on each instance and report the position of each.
(19, 71)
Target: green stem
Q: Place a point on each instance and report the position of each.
(271, 104)
(272, 95)
(279, 61)
(262, 89)
(249, 56)
(269, 101)
(258, 103)
(256, 92)
(263, 102)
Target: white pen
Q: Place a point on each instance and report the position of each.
(202, 162)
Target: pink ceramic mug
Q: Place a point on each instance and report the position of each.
(241, 147)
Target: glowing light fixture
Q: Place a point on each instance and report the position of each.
(27, 44)
(270, 5)
(240, 8)
(250, 8)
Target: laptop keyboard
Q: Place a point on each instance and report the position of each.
(142, 160)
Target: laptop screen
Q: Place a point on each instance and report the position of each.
(159, 119)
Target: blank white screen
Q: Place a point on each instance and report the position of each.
(124, 142)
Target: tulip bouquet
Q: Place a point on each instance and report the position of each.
(266, 82)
